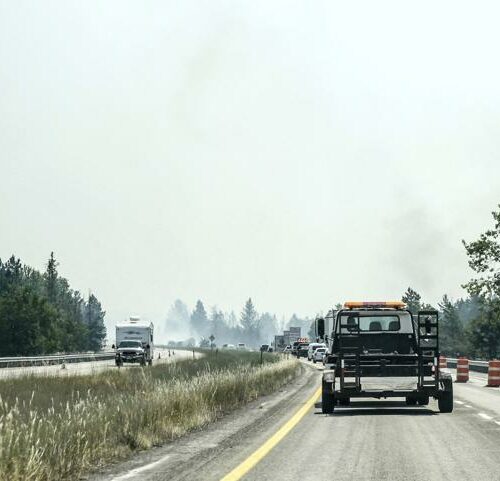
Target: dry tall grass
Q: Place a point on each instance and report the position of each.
(60, 428)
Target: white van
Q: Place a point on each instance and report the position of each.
(319, 354)
(312, 347)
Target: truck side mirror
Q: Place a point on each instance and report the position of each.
(113, 346)
(320, 327)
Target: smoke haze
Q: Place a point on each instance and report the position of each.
(297, 153)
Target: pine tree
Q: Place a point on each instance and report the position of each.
(51, 278)
(217, 325)
(413, 300)
(451, 328)
(249, 322)
(199, 321)
(11, 274)
(93, 318)
(484, 259)
(178, 321)
(268, 327)
(484, 331)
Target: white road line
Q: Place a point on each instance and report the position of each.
(485, 416)
(498, 422)
(458, 402)
(468, 406)
(136, 471)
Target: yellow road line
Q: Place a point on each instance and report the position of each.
(240, 471)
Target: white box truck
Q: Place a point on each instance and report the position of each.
(134, 342)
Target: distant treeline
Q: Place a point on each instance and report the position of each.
(250, 327)
(471, 326)
(468, 326)
(41, 314)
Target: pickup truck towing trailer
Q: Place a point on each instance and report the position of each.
(134, 342)
(380, 350)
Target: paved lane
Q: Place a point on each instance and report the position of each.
(377, 440)
(75, 368)
(386, 440)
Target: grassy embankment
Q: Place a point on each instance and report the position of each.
(55, 428)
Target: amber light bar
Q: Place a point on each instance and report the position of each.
(388, 304)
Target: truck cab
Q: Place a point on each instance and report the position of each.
(378, 349)
(130, 351)
(134, 342)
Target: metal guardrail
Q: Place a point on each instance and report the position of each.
(56, 359)
(478, 366)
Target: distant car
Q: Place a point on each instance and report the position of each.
(295, 348)
(227, 346)
(241, 346)
(312, 347)
(130, 351)
(287, 349)
(303, 349)
(319, 354)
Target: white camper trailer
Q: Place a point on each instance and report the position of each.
(134, 342)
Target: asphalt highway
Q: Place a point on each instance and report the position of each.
(370, 440)
(386, 440)
(75, 368)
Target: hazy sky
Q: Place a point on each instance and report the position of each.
(300, 153)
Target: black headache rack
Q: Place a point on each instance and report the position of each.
(353, 361)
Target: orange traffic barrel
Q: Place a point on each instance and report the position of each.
(462, 369)
(443, 364)
(494, 373)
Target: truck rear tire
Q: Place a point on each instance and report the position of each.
(150, 362)
(445, 400)
(327, 400)
(423, 400)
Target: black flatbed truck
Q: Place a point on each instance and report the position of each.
(383, 340)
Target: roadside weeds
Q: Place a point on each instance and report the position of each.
(57, 429)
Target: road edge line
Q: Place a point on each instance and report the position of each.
(252, 460)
